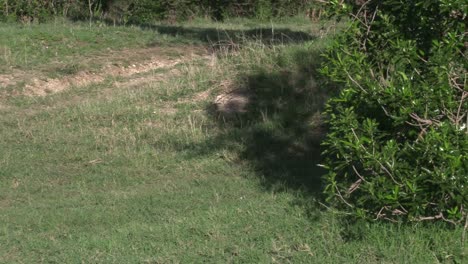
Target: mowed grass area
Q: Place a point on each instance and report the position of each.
(150, 173)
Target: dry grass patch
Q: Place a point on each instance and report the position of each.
(124, 63)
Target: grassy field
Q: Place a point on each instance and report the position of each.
(139, 167)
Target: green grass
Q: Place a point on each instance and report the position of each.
(63, 48)
(150, 174)
(29, 47)
(36, 45)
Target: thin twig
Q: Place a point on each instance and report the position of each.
(379, 214)
(354, 186)
(369, 26)
(341, 197)
(381, 165)
(389, 173)
(357, 173)
(355, 82)
(462, 100)
(440, 216)
(464, 230)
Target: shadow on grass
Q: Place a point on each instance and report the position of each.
(224, 37)
(220, 38)
(280, 132)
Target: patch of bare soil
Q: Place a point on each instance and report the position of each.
(6, 80)
(42, 87)
(123, 63)
(233, 102)
(141, 80)
(3, 107)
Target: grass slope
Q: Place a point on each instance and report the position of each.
(111, 173)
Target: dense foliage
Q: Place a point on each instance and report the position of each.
(398, 141)
(143, 11)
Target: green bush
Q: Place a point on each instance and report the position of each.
(397, 147)
(44, 10)
(147, 11)
(25, 11)
(263, 10)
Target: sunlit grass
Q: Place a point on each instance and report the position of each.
(149, 174)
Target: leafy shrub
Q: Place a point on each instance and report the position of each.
(44, 10)
(146, 11)
(263, 10)
(26, 11)
(397, 147)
